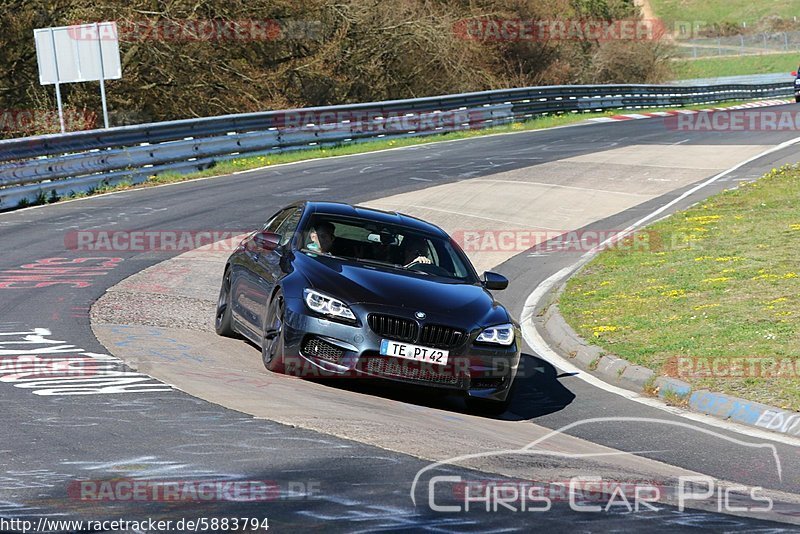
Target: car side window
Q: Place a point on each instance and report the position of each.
(287, 228)
(277, 219)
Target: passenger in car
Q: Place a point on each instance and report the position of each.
(322, 237)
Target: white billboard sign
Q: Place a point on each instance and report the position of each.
(80, 53)
(83, 53)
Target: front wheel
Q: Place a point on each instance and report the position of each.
(222, 320)
(272, 340)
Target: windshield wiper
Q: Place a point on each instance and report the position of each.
(390, 265)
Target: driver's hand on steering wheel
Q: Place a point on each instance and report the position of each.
(419, 259)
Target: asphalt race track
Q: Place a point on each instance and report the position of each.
(322, 476)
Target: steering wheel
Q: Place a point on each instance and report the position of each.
(427, 268)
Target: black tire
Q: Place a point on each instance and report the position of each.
(272, 338)
(797, 99)
(487, 407)
(223, 323)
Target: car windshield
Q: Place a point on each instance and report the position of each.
(393, 246)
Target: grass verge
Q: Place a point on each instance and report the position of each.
(256, 162)
(715, 67)
(710, 295)
(710, 11)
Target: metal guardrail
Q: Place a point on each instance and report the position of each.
(37, 168)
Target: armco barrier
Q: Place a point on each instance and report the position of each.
(61, 164)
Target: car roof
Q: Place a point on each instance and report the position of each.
(386, 217)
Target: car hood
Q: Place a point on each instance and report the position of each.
(357, 283)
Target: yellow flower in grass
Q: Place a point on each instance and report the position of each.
(794, 226)
(655, 288)
(675, 293)
(726, 259)
(719, 279)
(602, 329)
(706, 306)
(790, 275)
(704, 219)
(765, 276)
(606, 283)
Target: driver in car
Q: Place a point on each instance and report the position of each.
(415, 250)
(322, 237)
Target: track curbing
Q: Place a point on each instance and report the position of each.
(560, 336)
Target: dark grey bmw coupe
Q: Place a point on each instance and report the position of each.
(328, 289)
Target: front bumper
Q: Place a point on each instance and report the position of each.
(318, 347)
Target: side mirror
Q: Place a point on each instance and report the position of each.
(494, 281)
(794, 73)
(266, 241)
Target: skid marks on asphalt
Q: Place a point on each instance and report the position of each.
(46, 272)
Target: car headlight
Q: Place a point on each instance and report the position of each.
(325, 305)
(497, 335)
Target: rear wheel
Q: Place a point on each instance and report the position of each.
(797, 99)
(222, 321)
(272, 341)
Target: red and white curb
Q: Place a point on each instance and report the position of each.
(637, 116)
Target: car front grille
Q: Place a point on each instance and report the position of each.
(442, 336)
(319, 348)
(391, 327)
(392, 368)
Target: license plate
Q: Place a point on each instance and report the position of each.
(413, 352)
